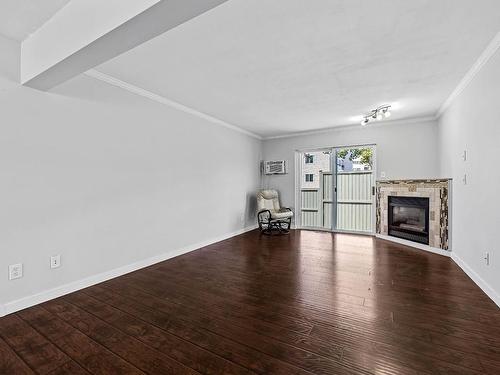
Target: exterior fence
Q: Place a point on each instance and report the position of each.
(354, 202)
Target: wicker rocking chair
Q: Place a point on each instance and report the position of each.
(272, 218)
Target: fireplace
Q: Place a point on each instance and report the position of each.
(438, 227)
(408, 218)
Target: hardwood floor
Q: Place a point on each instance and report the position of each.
(306, 303)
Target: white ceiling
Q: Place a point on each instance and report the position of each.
(274, 67)
(281, 66)
(20, 18)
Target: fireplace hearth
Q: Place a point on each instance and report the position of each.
(408, 218)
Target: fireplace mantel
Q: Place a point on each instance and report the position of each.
(437, 190)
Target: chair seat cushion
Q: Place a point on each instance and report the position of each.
(281, 214)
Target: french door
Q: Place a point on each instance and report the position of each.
(336, 189)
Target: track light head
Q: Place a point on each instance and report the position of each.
(379, 113)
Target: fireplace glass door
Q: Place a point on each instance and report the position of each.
(409, 218)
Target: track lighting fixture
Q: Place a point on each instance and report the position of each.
(379, 113)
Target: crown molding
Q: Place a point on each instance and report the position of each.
(487, 54)
(410, 120)
(162, 100)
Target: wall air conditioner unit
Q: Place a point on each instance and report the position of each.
(275, 167)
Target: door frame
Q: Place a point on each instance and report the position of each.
(333, 165)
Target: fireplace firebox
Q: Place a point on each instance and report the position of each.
(409, 218)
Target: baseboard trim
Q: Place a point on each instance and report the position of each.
(25, 302)
(435, 250)
(485, 287)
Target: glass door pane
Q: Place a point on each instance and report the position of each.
(316, 189)
(353, 187)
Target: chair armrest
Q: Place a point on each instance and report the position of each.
(285, 209)
(262, 212)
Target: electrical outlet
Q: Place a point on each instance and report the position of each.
(55, 261)
(487, 258)
(15, 271)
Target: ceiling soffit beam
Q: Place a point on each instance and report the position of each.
(87, 33)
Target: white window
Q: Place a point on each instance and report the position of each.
(309, 159)
(309, 177)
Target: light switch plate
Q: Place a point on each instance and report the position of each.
(487, 258)
(55, 261)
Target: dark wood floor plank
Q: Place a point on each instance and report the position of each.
(330, 279)
(404, 297)
(70, 368)
(388, 338)
(409, 355)
(376, 352)
(181, 326)
(230, 305)
(33, 348)
(443, 309)
(86, 352)
(133, 351)
(305, 303)
(491, 367)
(10, 363)
(183, 351)
(250, 335)
(301, 340)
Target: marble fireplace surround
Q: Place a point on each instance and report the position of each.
(437, 190)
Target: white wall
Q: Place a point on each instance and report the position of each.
(404, 150)
(10, 63)
(472, 123)
(107, 178)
